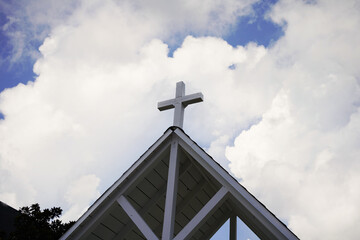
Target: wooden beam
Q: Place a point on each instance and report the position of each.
(233, 227)
(205, 176)
(202, 215)
(187, 199)
(171, 192)
(190, 196)
(136, 218)
(160, 193)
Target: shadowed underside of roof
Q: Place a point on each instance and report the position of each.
(148, 198)
(206, 197)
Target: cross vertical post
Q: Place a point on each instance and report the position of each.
(179, 108)
(180, 102)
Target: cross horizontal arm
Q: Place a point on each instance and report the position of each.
(192, 98)
(185, 100)
(165, 105)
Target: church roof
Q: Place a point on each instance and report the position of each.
(206, 196)
(7, 219)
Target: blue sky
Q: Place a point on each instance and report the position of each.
(256, 28)
(12, 73)
(281, 110)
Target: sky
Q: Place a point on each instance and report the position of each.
(80, 81)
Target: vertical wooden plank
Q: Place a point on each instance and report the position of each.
(171, 192)
(233, 227)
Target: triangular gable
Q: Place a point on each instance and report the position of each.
(174, 191)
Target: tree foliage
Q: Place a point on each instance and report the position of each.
(36, 224)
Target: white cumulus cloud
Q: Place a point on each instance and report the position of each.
(286, 117)
(302, 158)
(92, 108)
(81, 193)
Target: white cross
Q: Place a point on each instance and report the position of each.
(180, 102)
